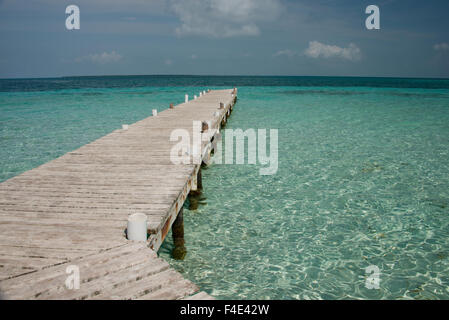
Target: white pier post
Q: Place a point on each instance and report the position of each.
(194, 97)
(154, 113)
(137, 227)
(201, 93)
(125, 126)
(186, 98)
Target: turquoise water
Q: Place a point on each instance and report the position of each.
(363, 180)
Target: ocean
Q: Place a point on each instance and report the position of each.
(363, 178)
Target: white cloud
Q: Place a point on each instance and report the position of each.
(224, 18)
(320, 50)
(287, 52)
(101, 58)
(441, 47)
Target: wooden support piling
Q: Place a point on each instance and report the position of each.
(199, 180)
(195, 195)
(204, 126)
(179, 252)
(199, 184)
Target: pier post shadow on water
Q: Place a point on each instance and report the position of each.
(194, 200)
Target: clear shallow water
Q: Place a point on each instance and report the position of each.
(363, 180)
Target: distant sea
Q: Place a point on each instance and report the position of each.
(363, 178)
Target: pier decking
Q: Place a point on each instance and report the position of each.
(74, 210)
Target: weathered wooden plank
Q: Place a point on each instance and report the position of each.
(200, 296)
(177, 289)
(94, 266)
(7, 272)
(156, 209)
(28, 262)
(66, 253)
(146, 285)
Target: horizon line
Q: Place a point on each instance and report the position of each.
(215, 75)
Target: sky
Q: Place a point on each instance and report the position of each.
(224, 37)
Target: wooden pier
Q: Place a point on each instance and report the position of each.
(73, 211)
